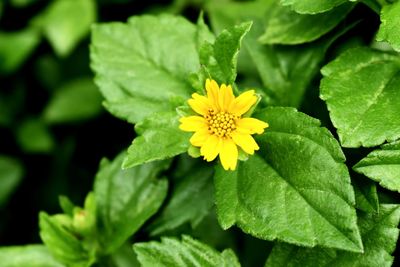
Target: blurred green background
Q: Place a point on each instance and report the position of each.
(53, 128)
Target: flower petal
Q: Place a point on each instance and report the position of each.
(243, 103)
(199, 137)
(251, 126)
(192, 123)
(228, 154)
(246, 142)
(225, 97)
(200, 104)
(212, 89)
(211, 148)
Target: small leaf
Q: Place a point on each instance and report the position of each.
(34, 136)
(379, 233)
(295, 189)
(15, 48)
(312, 6)
(383, 166)
(75, 101)
(65, 23)
(27, 256)
(66, 205)
(358, 87)
(366, 195)
(192, 196)
(11, 172)
(188, 252)
(126, 199)
(389, 30)
(288, 27)
(220, 57)
(159, 137)
(62, 244)
(141, 65)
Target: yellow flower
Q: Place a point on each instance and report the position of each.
(221, 128)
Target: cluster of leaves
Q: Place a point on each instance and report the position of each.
(307, 197)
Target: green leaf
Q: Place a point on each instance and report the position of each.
(11, 172)
(358, 87)
(288, 27)
(142, 65)
(383, 166)
(366, 195)
(27, 256)
(285, 71)
(61, 242)
(192, 196)
(159, 137)
(188, 252)
(295, 189)
(389, 30)
(220, 57)
(34, 136)
(75, 101)
(312, 6)
(379, 233)
(15, 48)
(126, 199)
(65, 23)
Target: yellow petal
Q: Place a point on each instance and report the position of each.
(211, 148)
(192, 123)
(246, 142)
(228, 154)
(225, 97)
(199, 137)
(212, 89)
(251, 126)
(199, 103)
(243, 103)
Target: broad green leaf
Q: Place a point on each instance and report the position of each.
(358, 87)
(27, 256)
(288, 27)
(75, 101)
(188, 252)
(192, 196)
(143, 65)
(389, 30)
(15, 48)
(365, 192)
(383, 166)
(285, 71)
(126, 199)
(295, 189)
(312, 6)
(379, 233)
(65, 23)
(11, 172)
(220, 58)
(159, 137)
(61, 242)
(34, 136)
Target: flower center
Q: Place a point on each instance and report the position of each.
(221, 123)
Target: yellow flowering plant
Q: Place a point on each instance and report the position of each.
(207, 154)
(220, 128)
